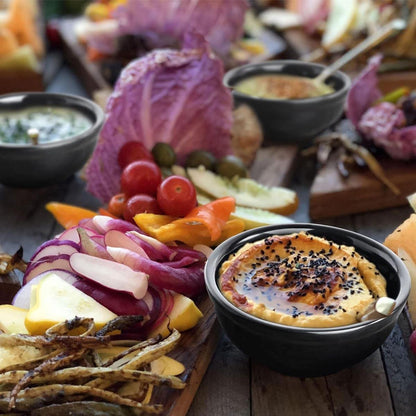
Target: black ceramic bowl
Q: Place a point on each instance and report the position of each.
(28, 165)
(294, 120)
(308, 352)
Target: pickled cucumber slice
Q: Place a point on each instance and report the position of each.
(247, 192)
(252, 217)
(255, 217)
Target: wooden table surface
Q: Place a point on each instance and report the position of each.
(383, 384)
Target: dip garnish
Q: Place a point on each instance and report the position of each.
(301, 280)
(41, 124)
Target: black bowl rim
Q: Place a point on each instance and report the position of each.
(229, 75)
(216, 295)
(75, 100)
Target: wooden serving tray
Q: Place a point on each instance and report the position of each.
(332, 195)
(273, 166)
(20, 81)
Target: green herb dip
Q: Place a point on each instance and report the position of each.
(51, 124)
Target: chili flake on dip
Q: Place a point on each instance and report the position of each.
(301, 280)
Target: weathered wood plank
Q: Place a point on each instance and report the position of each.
(228, 372)
(399, 365)
(333, 195)
(274, 394)
(274, 165)
(361, 389)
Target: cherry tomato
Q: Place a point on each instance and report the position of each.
(176, 196)
(141, 177)
(140, 203)
(117, 204)
(132, 151)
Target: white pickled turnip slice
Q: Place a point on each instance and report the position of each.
(22, 297)
(116, 238)
(104, 223)
(155, 249)
(47, 263)
(72, 234)
(110, 274)
(55, 247)
(88, 245)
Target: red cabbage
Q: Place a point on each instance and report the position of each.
(219, 21)
(120, 303)
(364, 91)
(188, 281)
(384, 124)
(171, 96)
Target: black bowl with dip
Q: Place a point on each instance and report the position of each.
(300, 351)
(60, 151)
(291, 120)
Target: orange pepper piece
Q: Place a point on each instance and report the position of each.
(166, 229)
(68, 215)
(213, 215)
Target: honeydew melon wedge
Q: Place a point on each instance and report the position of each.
(247, 192)
(56, 301)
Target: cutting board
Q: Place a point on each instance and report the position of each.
(273, 166)
(333, 195)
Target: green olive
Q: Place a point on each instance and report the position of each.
(164, 154)
(230, 166)
(201, 157)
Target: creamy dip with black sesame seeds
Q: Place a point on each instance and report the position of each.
(301, 280)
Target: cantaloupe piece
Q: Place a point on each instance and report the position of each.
(23, 58)
(183, 316)
(404, 236)
(12, 319)
(57, 301)
(411, 267)
(412, 201)
(8, 42)
(22, 22)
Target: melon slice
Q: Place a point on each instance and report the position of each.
(12, 319)
(341, 18)
(183, 316)
(22, 21)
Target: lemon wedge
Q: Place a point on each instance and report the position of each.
(341, 18)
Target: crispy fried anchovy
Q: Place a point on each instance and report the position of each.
(128, 351)
(59, 341)
(69, 374)
(360, 154)
(61, 360)
(63, 328)
(29, 364)
(10, 262)
(143, 357)
(52, 391)
(120, 323)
